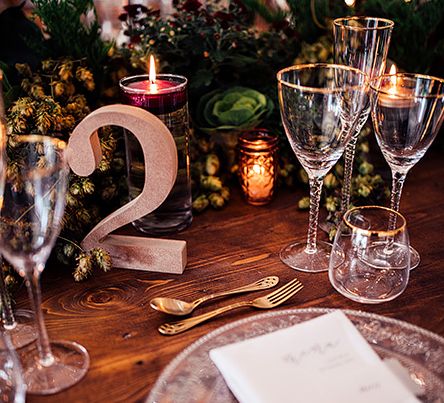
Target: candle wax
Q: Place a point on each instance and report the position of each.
(160, 97)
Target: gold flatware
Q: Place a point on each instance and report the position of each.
(177, 307)
(271, 300)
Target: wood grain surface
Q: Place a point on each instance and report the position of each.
(110, 315)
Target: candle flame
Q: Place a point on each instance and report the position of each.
(152, 71)
(393, 79)
(152, 75)
(257, 169)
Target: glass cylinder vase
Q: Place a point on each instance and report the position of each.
(167, 99)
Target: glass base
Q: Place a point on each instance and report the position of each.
(415, 258)
(23, 332)
(370, 288)
(296, 256)
(71, 362)
(164, 225)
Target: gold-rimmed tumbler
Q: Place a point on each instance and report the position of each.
(370, 259)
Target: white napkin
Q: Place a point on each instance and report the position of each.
(325, 359)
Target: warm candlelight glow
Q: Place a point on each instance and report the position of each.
(257, 166)
(350, 3)
(152, 75)
(393, 80)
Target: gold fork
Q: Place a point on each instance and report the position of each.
(266, 302)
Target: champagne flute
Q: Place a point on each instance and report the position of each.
(30, 221)
(407, 113)
(363, 43)
(320, 105)
(19, 326)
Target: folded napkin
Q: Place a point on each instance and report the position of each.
(325, 359)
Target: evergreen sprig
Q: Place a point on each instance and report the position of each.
(72, 30)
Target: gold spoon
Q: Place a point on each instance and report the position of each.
(177, 307)
(268, 301)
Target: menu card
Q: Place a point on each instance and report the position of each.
(325, 359)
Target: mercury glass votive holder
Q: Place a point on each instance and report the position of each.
(258, 166)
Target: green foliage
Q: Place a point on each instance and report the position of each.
(52, 102)
(417, 40)
(68, 34)
(213, 48)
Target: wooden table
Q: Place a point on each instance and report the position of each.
(110, 315)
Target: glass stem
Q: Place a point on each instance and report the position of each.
(33, 284)
(349, 157)
(9, 322)
(398, 180)
(315, 198)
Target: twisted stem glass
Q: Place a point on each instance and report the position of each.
(407, 113)
(319, 104)
(363, 43)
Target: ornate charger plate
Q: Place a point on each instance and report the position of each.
(192, 376)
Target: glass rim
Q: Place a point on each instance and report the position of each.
(322, 66)
(411, 76)
(369, 232)
(338, 23)
(140, 91)
(34, 138)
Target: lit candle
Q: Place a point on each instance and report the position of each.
(257, 166)
(392, 92)
(164, 95)
(158, 94)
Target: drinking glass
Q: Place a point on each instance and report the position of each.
(30, 221)
(363, 43)
(370, 259)
(12, 385)
(19, 326)
(407, 113)
(319, 104)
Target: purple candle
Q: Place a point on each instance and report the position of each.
(164, 95)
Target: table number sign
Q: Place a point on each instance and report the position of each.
(159, 151)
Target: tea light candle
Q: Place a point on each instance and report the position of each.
(392, 92)
(257, 166)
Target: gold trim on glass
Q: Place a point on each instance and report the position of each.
(389, 23)
(325, 66)
(409, 76)
(368, 232)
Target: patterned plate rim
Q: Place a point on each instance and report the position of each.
(203, 339)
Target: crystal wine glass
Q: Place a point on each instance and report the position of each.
(320, 104)
(370, 259)
(407, 113)
(363, 43)
(30, 221)
(19, 326)
(12, 385)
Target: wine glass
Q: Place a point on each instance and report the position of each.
(12, 385)
(319, 104)
(30, 221)
(370, 259)
(19, 326)
(407, 113)
(363, 43)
